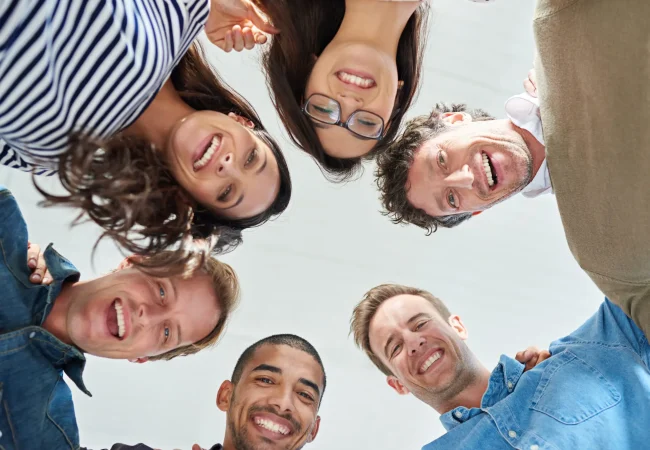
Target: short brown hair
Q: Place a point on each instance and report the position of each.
(367, 308)
(393, 168)
(226, 288)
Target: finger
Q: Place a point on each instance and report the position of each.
(261, 21)
(237, 38)
(530, 88)
(47, 277)
(39, 271)
(532, 76)
(33, 250)
(228, 42)
(249, 39)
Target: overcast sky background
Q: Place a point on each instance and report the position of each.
(508, 273)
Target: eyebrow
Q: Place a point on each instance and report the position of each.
(408, 322)
(274, 369)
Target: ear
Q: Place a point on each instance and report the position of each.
(224, 395)
(314, 431)
(457, 324)
(140, 360)
(128, 262)
(243, 121)
(456, 118)
(476, 213)
(397, 385)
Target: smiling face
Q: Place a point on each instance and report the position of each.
(223, 165)
(359, 77)
(131, 315)
(275, 402)
(425, 353)
(470, 167)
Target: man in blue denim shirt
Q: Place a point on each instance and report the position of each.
(593, 392)
(45, 330)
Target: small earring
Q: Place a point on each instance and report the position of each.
(400, 84)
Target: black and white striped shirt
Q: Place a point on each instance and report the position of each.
(83, 65)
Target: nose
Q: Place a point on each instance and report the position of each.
(462, 178)
(148, 314)
(282, 398)
(226, 164)
(415, 344)
(349, 103)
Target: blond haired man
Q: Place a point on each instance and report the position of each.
(45, 330)
(592, 392)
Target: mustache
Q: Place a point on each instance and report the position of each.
(268, 409)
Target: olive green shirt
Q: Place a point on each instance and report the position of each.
(593, 70)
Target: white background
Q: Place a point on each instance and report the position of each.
(508, 272)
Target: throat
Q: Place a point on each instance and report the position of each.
(56, 320)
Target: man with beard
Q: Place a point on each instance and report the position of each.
(592, 392)
(272, 399)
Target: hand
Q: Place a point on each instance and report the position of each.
(197, 447)
(532, 356)
(236, 24)
(36, 262)
(530, 83)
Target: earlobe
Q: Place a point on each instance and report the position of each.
(224, 395)
(397, 385)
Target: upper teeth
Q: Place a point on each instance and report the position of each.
(272, 426)
(208, 153)
(488, 170)
(357, 81)
(120, 318)
(433, 358)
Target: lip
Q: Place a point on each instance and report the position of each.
(426, 356)
(358, 74)
(273, 418)
(201, 149)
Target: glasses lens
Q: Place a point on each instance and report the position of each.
(366, 124)
(323, 108)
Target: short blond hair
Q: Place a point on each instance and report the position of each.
(226, 288)
(365, 311)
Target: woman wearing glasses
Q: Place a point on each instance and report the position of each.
(343, 73)
(142, 132)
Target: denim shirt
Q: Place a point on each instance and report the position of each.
(592, 393)
(36, 409)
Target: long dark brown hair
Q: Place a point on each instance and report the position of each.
(124, 186)
(307, 27)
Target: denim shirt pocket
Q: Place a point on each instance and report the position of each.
(6, 429)
(571, 391)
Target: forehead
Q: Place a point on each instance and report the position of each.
(294, 363)
(393, 315)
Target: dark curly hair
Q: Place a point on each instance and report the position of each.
(393, 167)
(307, 28)
(123, 185)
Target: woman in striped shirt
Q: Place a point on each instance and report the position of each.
(146, 138)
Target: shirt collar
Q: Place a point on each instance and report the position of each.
(502, 382)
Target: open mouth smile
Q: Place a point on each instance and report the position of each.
(490, 173)
(115, 320)
(208, 153)
(272, 427)
(430, 361)
(355, 80)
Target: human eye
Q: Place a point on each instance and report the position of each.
(442, 159)
(451, 199)
(306, 395)
(251, 158)
(420, 325)
(395, 350)
(223, 197)
(367, 123)
(323, 109)
(166, 334)
(265, 380)
(162, 293)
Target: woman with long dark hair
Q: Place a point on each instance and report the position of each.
(343, 73)
(145, 137)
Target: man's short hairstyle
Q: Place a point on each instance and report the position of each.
(394, 163)
(290, 340)
(226, 288)
(365, 311)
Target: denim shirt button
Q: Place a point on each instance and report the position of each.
(32, 334)
(510, 385)
(534, 447)
(458, 414)
(512, 434)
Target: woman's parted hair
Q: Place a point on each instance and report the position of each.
(394, 164)
(307, 27)
(123, 184)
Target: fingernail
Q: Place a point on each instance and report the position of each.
(35, 277)
(31, 263)
(46, 280)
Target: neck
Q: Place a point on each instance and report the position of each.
(536, 149)
(471, 396)
(227, 443)
(56, 320)
(376, 23)
(156, 123)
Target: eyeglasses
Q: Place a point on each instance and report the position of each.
(326, 110)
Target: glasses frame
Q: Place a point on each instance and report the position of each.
(345, 124)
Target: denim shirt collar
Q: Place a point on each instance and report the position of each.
(73, 360)
(502, 382)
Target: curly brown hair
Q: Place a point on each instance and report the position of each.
(393, 167)
(307, 28)
(123, 184)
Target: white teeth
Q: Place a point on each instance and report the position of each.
(433, 358)
(216, 141)
(488, 171)
(272, 426)
(120, 319)
(357, 81)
